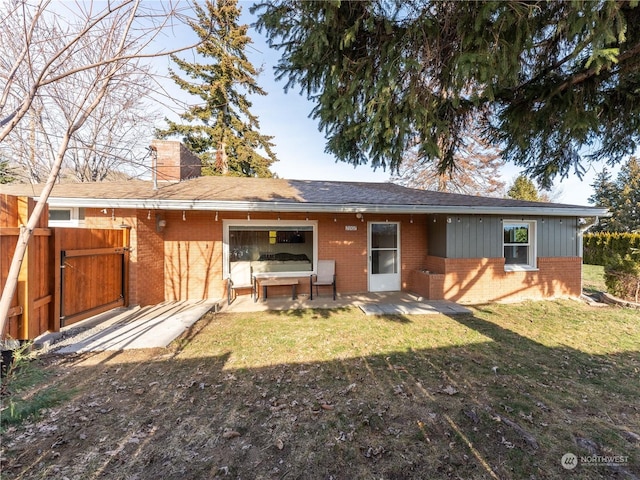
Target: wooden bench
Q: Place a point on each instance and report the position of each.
(266, 282)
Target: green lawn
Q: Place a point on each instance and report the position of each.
(593, 278)
(502, 393)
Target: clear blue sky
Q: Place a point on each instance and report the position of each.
(300, 146)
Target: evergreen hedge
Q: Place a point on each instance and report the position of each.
(599, 248)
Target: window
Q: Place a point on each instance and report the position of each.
(63, 215)
(519, 244)
(277, 247)
(66, 216)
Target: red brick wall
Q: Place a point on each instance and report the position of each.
(192, 256)
(184, 261)
(478, 280)
(414, 240)
(435, 264)
(428, 285)
(147, 271)
(349, 248)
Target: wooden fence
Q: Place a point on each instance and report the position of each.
(31, 310)
(67, 274)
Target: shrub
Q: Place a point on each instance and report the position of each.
(622, 276)
(599, 248)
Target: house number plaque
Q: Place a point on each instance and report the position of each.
(351, 228)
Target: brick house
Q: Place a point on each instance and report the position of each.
(187, 231)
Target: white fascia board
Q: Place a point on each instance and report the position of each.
(208, 205)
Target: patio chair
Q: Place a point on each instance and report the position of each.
(239, 278)
(325, 277)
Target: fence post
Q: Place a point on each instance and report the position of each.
(126, 236)
(57, 279)
(61, 304)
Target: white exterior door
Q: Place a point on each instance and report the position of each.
(384, 256)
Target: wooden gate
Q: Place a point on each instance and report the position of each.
(91, 272)
(68, 274)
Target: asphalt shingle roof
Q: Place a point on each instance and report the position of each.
(263, 191)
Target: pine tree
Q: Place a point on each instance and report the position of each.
(6, 175)
(621, 197)
(604, 195)
(524, 189)
(549, 78)
(221, 130)
(628, 183)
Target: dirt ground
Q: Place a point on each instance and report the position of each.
(165, 414)
(149, 415)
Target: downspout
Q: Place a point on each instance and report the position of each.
(583, 230)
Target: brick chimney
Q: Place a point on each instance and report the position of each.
(174, 162)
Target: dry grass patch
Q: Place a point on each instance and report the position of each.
(502, 393)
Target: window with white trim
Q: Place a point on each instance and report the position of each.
(66, 216)
(519, 244)
(271, 247)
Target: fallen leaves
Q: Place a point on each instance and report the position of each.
(449, 390)
(229, 434)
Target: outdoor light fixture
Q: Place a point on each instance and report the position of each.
(113, 214)
(448, 219)
(216, 216)
(149, 215)
(411, 221)
(248, 216)
(160, 223)
(184, 216)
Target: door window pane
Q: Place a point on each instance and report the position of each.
(384, 261)
(384, 235)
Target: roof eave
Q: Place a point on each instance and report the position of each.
(208, 205)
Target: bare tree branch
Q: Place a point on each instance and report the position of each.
(93, 53)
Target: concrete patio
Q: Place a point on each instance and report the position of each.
(128, 328)
(387, 303)
(158, 325)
